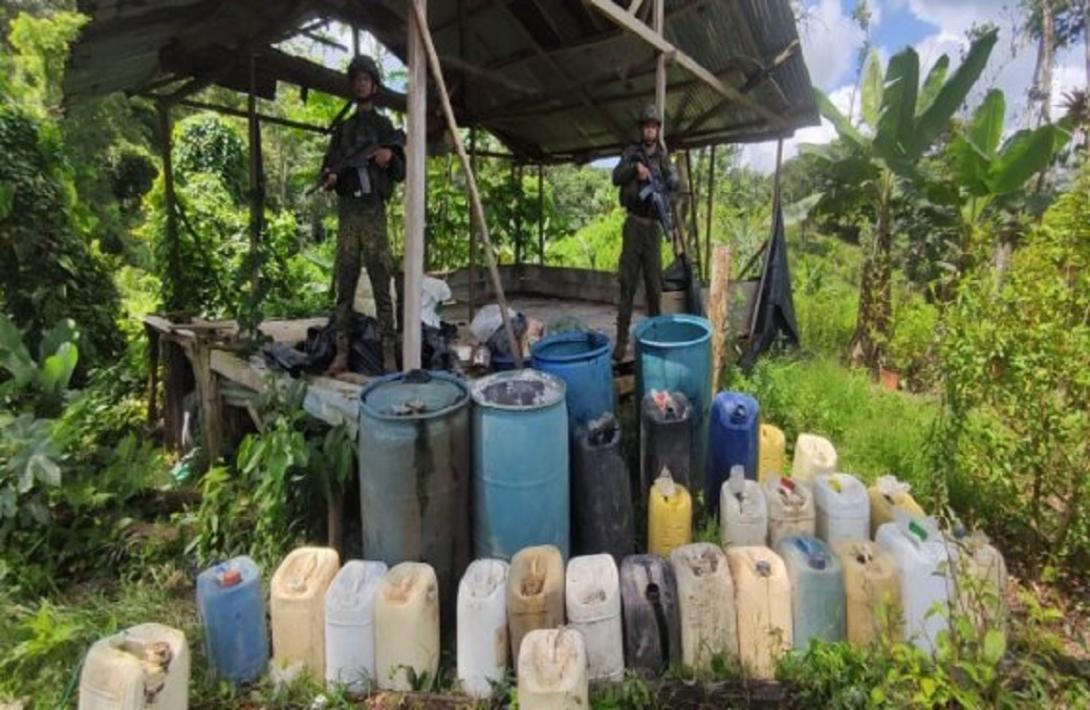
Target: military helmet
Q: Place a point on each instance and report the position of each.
(364, 63)
(649, 114)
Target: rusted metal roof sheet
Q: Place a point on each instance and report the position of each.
(553, 79)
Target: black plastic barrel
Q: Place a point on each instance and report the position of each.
(666, 438)
(652, 627)
(602, 515)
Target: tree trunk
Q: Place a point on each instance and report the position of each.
(873, 324)
(1041, 93)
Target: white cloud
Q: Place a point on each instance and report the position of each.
(762, 156)
(829, 39)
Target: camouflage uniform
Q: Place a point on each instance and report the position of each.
(641, 246)
(361, 212)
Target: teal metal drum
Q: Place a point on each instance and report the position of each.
(581, 359)
(520, 463)
(673, 352)
(415, 471)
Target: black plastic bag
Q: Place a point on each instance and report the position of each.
(281, 356)
(498, 343)
(320, 346)
(365, 345)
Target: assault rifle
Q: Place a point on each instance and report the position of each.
(657, 192)
(358, 157)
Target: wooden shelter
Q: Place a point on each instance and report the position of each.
(553, 80)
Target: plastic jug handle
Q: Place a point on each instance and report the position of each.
(814, 554)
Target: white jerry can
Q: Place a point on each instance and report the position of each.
(593, 602)
(482, 627)
(790, 509)
(144, 667)
(920, 553)
(406, 625)
(743, 511)
(349, 631)
(552, 670)
(705, 593)
(843, 507)
(814, 455)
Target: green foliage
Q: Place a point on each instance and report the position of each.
(206, 143)
(40, 48)
(596, 246)
(1018, 446)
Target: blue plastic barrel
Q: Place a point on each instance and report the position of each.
(231, 604)
(734, 436)
(520, 463)
(673, 352)
(414, 466)
(582, 360)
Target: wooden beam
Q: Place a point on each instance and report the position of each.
(263, 117)
(634, 7)
(415, 168)
(257, 199)
(659, 42)
(421, 24)
(660, 72)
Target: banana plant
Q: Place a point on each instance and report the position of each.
(902, 120)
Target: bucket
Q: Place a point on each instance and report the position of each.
(520, 463)
(673, 352)
(582, 360)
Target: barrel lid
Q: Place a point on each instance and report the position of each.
(518, 390)
(413, 395)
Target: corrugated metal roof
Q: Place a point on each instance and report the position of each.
(553, 79)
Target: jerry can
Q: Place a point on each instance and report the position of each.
(535, 592)
(923, 568)
(890, 500)
(601, 499)
(652, 632)
(814, 455)
(872, 592)
(407, 626)
(552, 670)
(593, 602)
(666, 438)
(709, 623)
(482, 627)
(669, 516)
(817, 590)
(743, 511)
(982, 581)
(843, 507)
(231, 603)
(298, 608)
(733, 440)
(773, 453)
(146, 666)
(349, 631)
(790, 509)
(763, 599)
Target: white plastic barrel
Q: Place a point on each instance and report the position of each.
(763, 599)
(552, 670)
(349, 631)
(482, 627)
(593, 601)
(705, 592)
(790, 509)
(843, 507)
(920, 553)
(406, 626)
(814, 455)
(146, 666)
(743, 511)
(297, 607)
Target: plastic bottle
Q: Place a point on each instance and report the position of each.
(535, 592)
(407, 626)
(743, 511)
(790, 509)
(593, 603)
(482, 627)
(872, 591)
(709, 624)
(669, 516)
(297, 606)
(890, 500)
(773, 453)
(814, 455)
(349, 631)
(843, 507)
(144, 667)
(763, 599)
(552, 671)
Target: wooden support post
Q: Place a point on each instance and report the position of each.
(153, 375)
(711, 207)
(420, 15)
(660, 71)
(718, 311)
(516, 170)
(257, 202)
(472, 230)
(541, 215)
(208, 398)
(174, 266)
(693, 197)
(415, 165)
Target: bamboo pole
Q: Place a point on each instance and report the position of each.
(415, 149)
(660, 71)
(471, 178)
(257, 199)
(472, 230)
(711, 207)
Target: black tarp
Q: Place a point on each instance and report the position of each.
(774, 313)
